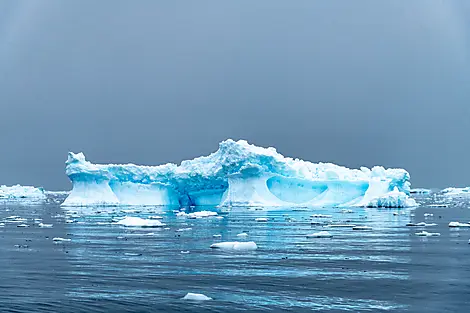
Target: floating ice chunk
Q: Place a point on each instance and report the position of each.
(2, 224)
(130, 221)
(45, 225)
(428, 214)
(217, 236)
(13, 217)
(420, 191)
(183, 229)
(155, 217)
(60, 239)
(362, 228)
(22, 225)
(184, 252)
(458, 224)
(421, 224)
(321, 216)
(341, 225)
(219, 217)
(235, 245)
(196, 297)
(347, 211)
(320, 234)
(426, 234)
(201, 214)
(439, 205)
(242, 235)
(261, 219)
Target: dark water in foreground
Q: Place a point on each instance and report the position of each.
(110, 268)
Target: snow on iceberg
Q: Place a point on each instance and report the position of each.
(21, 192)
(237, 174)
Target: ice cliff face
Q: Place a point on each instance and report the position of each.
(237, 174)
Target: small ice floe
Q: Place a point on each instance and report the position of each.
(184, 252)
(194, 215)
(2, 224)
(428, 214)
(155, 217)
(438, 205)
(22, 225)
(362, 228)
(346, 211)
(235, 245)
(130, 221)
(458, 224)
(183, 229)
(59, 239)
(320, 234)
(132, 254)
(426, 234)
(196, 297)
(13, 217)
(420, 191)
(130, 211)
(166, 228)
(321, 216)
(242, 235)
(217, 236)
(42, 225)
(341, 225)
(17, 220)
(219, 217)
(421, 224)
(69, 221)
(148, 234)
(261, 219)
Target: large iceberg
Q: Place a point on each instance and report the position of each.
(237, 174)
(17, 192)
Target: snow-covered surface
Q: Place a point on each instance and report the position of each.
(237, 174)
(196, 297)
(21, 192)
(130, 221)
(235, 245)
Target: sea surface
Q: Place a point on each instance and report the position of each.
(111, 268)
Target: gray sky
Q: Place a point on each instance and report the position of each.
(149, 82)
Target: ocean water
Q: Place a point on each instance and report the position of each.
(110, 268)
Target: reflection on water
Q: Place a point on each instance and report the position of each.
(110, 268)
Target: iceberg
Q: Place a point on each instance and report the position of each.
(237, 174)
(18, 192)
